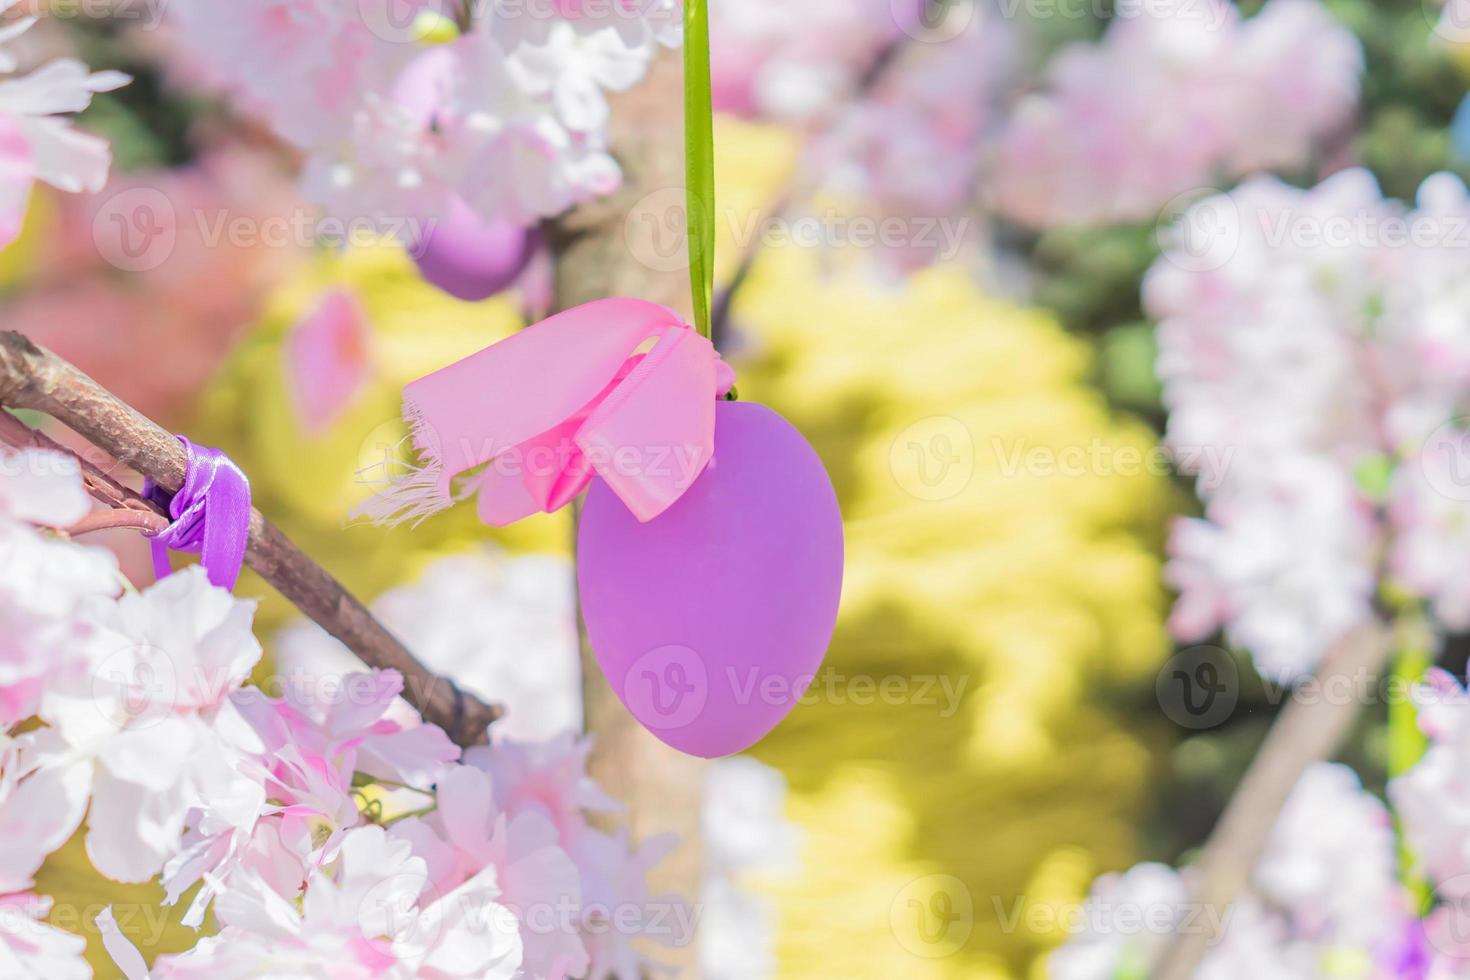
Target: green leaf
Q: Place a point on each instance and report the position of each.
(699, 161)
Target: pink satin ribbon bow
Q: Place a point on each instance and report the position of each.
(621, 388)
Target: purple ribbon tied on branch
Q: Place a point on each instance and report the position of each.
(211, 515)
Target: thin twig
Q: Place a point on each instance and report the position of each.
(34, 378)
(108, 520)
(99, 483)
(1308, 731)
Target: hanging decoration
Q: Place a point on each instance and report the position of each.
(710, 547)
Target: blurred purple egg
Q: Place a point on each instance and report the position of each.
(471, 258)
(711, 620)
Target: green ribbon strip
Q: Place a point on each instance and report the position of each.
(699, 161)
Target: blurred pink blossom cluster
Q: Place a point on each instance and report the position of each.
(328, 831)
(769, 64)
(202, 247)
(1324, 895)
(900, 112)
(509, 118)
(912, 147)
(1177, 96)
(1314, 365)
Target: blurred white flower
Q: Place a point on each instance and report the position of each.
(503, 626)
(745, 830)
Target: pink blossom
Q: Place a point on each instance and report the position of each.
(1285, 563)
(1154, 894)
(327, 358)
(347, 725)
(476, 122)
(154, 723)
(1429, 554)
(911, 149)
(371, 914)
(509, 118)
(619, 913)
(1309, 342)
(1303, 68)
(768, 63)
(1331, 861)
(547, 778)
(295, 800)
(1172, 95)
(469, 833)
(268, 808)
(29, 947)
(42, 638)
(1433, 798)
(43, 487)
(37, 141)
(301, 63)
(40, 807)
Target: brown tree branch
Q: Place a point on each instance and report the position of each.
(34, 378)
(1308, 731)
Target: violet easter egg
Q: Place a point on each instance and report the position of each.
(471, 258)
(710, 620)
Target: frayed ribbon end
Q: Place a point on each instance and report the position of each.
(412, 490)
